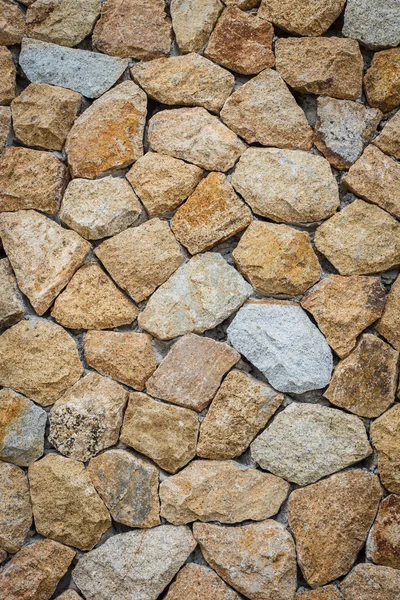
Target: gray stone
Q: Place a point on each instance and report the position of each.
(374, 23)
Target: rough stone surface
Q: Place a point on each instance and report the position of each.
(72, 595)
(5, 126)
(201, 294)
(382, 81)
(193, 22)
(12, 23)
(370, 582)
(167, 434)
(389, 138)
(11, 306)
(383, 539)
(374, 23)
(325, 593)
(330, 521)
(15, 509)
(303, 17)
(196, 582)
(280, 340)
(243, 4)
(385, 436)
(389, 324)
(7, 76)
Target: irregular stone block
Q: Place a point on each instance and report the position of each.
(389, 138)
(12, 23)
(381, 82)
(11, 306)
(364, 581)
(193, 22)
(5, 126)
(8, 75)
(382, 543)
(195, 582)
(374, 23)
(325, 593)
(389, 324)
(385, 436)
(303, 17)
(15, 509)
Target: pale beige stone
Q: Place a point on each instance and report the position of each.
(385, 436)
(384, 537)
(389, 324)
(370, 582)
(193, 21)
(15, 508)
(69, 595)
(389, 138)
(325, 593)
(8, 75)
(5, 126)
(12, 23)
(11, 305)
(196, 582)
(382, 80)
(303, 17)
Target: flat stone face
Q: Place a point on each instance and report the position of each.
(167, 434)
(303, 17)
(11, 306)
(15, 509)
(193, 22)
(263, 110)
(280, 340)
(389, 138)
(201, 294)
(38, 359)
(12, 23)
(325, 593)
(389, 324)
(381, 83)
(128, 486)
(376, 24)
(383, 539)
(66, 506)
(5, 125)
(7, 76)
(257, 559)
(195, 582)
(385, 436)
(330, 521)
(88, 417)
(364, 581)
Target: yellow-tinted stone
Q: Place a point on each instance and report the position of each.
(8, 74)
(382, 80)
(389, 324)
(303, 17)
(385, 435)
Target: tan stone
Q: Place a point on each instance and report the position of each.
(11, 305)
(12, 23)
(109, 135)
(263, 110)
(66, 506)
(38, 359)
(195, 582)
(167, 434)
(325, 593)
(192, 371)
(5, 126)
(330, 521)
(302, 17)
(3, 556)
(385, 436)
(389, 138)
(8, 75)
(389, 324)
(133, 28)
(382, 80)
(322, 65)
(384, 537)
(69, 595)
(15, 508)
(243, 4)
(369, 582)
(125, 356)
(359, 240)
(193, 22)
(343, 307)
(241, 42)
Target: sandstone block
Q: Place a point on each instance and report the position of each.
(11, 306)
(383, 539)
(15, 509)
(385, 436)
(8, 75)
(195, 582)
(381, 82)
(389, 324)
(389, 138)
(364, 581)
(12, 23)
(193, 22)
(302, 17)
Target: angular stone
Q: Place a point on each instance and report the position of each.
(325, 593)
(15, 509)
(11, 306)
(8, 74)
(330, 66)
(88, 417)
(381, 82)
(201, 294)
(128, 486)
(167, 434)
(12, 23)
(72, 595)
(66, 506)
(385, 436)
(39, 359)
(125, 356)
(369, 582)
(383, 539)
(389, 324)
(195, 582)
(280, 340)
(5, 126)
(389, 138)
(193, 22)
(374, 23)
(302, 17)
(330, 521)
(263, 110)
(258, 560)
(189, 80)
(133, 28)
(138, 564)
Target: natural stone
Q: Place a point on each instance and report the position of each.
(385, 435)
(370, 582)
(66, 506)
(196, 582)
(193, 22)
(72, 595)
(167, 434)
(38, 359)
(383, 539)
(302, 17)
(15, 509)
(325, 593)
(141, 258)
(88, 417)
(7, 76)
(389, 138)
(258, 560)
(330, 521)
(3, 555)
(243, 4)
(128, 486)
(11, 306)
(280, 340)
(12, 23)
(381, 82)
(201, 294)
(389, 324)
(5, 126)
(263, 110)
(374, 23)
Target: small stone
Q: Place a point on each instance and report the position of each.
(72, 595)
(12, 23)
(286, 185)
(195, 136)
(66, 506)
(383, 539)
(263, 110)
(3, 556)
(167, 434)
(374, 23)
(133, 28)
(330, 66)
(199, 296)
(389, 138)
(212, 214)
(88, 417)
(11, 306)
(5, 126)
(366, 581)
(128, 486)
(241, 42)
(193, 22)
(39, 359)
(195, 582)
(125, 356)
(136, 564)
(382, 82)
(258, 560)
(108, 136)
(389, 324)
(385, 435)
(280, 340)
(8, 75)
(141, 258)
(243, 4)
(330, 521)
(15, 509)
(325, 593)
(189, 80)
(302, 17)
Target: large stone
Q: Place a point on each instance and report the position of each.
(374, 23)
(258, 560)
(66, 506)
(330, 521)
(302, 17)
(383, 539)
(39, 359)
(280, 340)
(12, 23)
(389, 324)
(201, 294)
(369, 582)
(11, 306)
(189, 80)
(5, 126)
(263, 110)
(137, 564)
(193, 22)
(88, 417)
(167, 434)
(15, 509)
(382, 81)
(195, 582)
(325, 593)
(389, 138)
(7, 76)
(385, 436)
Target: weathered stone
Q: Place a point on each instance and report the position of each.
(128, 486)
(381, 82)
(385, 435)
(88, 417)
(280, 340)
(133, 28)
(243, 4)
(7, 76)
(303, 17)
(15, 509)
(167, 434)
(5, 126)
(383, 539)
(66, 506)
(141, 258)
(389, 138)
(330, 521)
(125, 356)
(325, 593)
(12, 23)
(11, 306)
(374, 23)
(323, 65)
(263, 110)
(258, 560)
(38, 359)
(137, 564)
(201, 294)
(193, 22)
(72, 595)
(3, 555)
(369, 582)
(195, 582)
(389, 324)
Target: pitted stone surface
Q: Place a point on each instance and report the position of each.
(193, 22)
(381, 81)
(12, 23)
(328, 592)
(7, 76)
(389, 138)
(383, 539)
(389, 324)
(366, 580)
(11, 305)
(302, 17)
(196, 582)
(375, 23)
(15, 509)
(385, 437)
